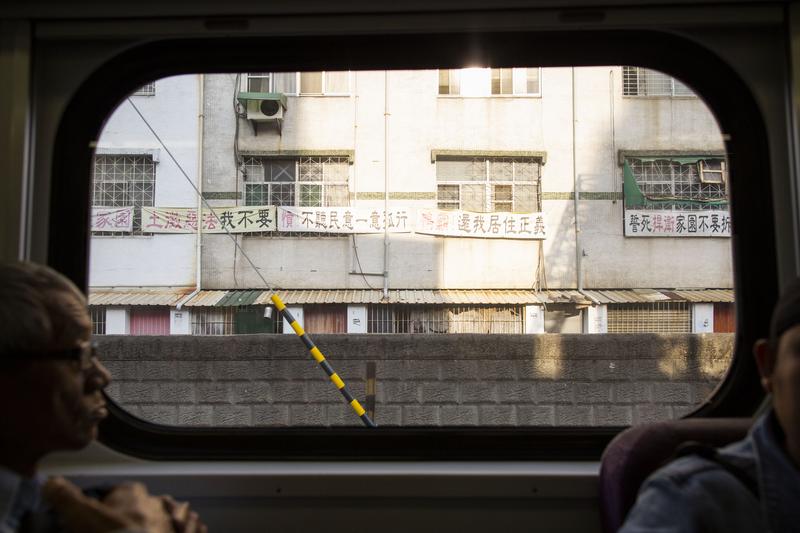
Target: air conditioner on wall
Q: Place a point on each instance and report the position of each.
(263, 107)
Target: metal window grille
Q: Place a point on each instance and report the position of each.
(637, 81)
(656, 317)
(98, 315)
(444, 319)
(305, 182)
(124, 180)
(213, 320)
(664, 179)
(488, 184)
(148, 89)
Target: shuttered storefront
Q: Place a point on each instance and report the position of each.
(655, 317)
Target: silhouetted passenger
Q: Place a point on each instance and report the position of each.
(51, 399)
(750, 485)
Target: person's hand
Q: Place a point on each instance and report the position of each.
(184, 520)
(128, 506)
(134, 502)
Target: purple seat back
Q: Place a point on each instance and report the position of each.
(637, 452)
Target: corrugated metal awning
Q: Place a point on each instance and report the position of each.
(460, 296)
(362, 296)
(603, 296)
(137, 296)
(219, 298)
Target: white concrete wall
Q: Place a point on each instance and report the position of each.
(297, 313)
(118, 321)
(356, 319)
(703, 318)
(534, 319)
(180, 321)
(156, 260)
(596, 319)
(420, 121)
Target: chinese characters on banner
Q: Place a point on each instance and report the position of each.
(243, 219)
(469, 224)
(343, 220)
(256, 219)
(665, 223)
(117, 219)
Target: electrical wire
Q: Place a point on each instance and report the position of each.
(267, 285)
(320, 358)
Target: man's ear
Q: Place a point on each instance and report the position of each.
(765, 359)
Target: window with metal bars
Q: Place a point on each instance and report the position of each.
(213, 320)
(304, 182)
(681, 184)
(124, 181)
(655, 317)
(488, 184)
(638, 81)
(234, 320)
(148, 89)
(445, 319)
(98, 316)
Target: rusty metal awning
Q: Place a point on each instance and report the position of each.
(458, 297)
(232, 298)
(606, 296)
(137, 296)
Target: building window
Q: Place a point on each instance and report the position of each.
(98, 315)
(490, 82)
(233, 320)
(488, 184)
(148, 89)
(637, 81)
(303, 182)
(656, 317)
(124, 181)
(213, 320)
(678, 183)
(445, 319)
(326, 83)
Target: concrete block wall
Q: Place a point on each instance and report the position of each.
(441, 380)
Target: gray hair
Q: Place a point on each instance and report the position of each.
(39, 309)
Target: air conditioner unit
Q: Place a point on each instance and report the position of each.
(263, 107)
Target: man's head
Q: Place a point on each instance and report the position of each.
(50, 381)
(778, 361)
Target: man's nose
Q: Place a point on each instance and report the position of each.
(99, 376)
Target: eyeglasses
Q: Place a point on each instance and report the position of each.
(85, 354)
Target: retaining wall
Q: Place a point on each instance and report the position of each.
(271, 380)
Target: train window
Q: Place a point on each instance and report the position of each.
(517, 247)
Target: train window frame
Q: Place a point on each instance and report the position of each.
(725, 93)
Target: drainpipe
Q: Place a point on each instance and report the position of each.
(198, 233)
(385, 183)
(613, 135)
(576, 198)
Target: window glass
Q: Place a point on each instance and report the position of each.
(285, 82)
(535, 274)
(489, 82)
(311, 83)
(337, 82)
(259, 82)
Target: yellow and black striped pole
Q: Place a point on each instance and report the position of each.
(334, 377)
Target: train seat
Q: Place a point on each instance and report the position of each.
(638, 451)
